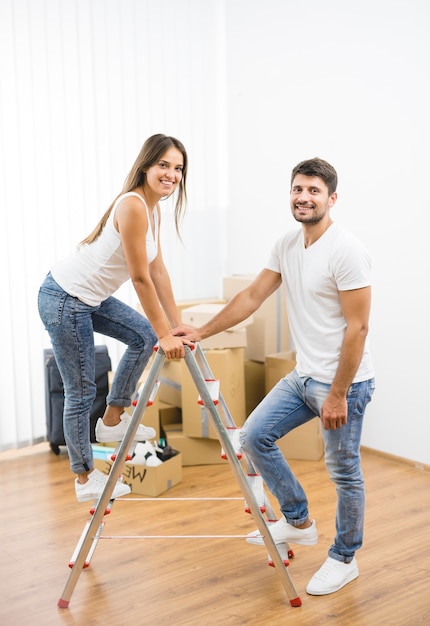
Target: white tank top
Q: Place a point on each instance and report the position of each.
(94, 271)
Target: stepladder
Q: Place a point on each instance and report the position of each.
(256, 501)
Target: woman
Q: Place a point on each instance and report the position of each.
(75, 300)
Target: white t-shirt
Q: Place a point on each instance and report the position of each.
(312, 278)
(94, 271)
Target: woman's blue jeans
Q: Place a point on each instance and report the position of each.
(292, 402)
(71, 325)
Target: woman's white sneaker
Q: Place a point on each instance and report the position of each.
(107, 434)
(332, 576)
(93, 488)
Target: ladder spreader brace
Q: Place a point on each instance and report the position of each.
(200, 372)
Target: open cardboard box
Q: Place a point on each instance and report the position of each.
(143, 480)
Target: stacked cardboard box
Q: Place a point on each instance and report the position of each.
(255, 389)
(304, 442)
(195, 437)
(199, 314)
(248, 360)
(227, 366)
(270, 331)
(170, 378)
(195, 450)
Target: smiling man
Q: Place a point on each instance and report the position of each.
(325, 273)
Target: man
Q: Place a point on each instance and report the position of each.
(326, 276)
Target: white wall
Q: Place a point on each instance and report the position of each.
(251, 88)
(348, 82)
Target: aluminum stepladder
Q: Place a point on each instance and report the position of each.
(256, 501)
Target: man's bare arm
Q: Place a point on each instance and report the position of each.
(356, 310)
(242, 305)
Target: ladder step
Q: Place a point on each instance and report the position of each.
(96, 538)
(234, 435)
(283, 548)
(255, 483)
(92, 548)
(151, 397)
(130, 452)
(283, 553)
(213, 389)
(107, 510)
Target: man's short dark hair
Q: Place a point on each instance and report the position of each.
(317, 167)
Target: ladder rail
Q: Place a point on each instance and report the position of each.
(207, 373)
(116, 469)
(237, 470)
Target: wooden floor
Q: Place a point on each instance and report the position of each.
(205, 581)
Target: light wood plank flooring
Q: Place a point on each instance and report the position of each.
(205, 582)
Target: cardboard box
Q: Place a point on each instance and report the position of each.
(225, 339)
(195, 450)
(277, 366)
(145, 481)
(304, 442)
(199, 314)
(150, 416)
(234, 337)
(185, 304)
(170, 390)
(255, 389)
(170, 416)
(227, 366)
(270, 331)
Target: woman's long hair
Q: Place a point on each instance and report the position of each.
(151, 152)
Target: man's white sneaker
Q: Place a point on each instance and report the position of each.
(93, 488)
(331, 577)
(106, 434)
(283, 532)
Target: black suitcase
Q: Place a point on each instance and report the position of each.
(54, 396)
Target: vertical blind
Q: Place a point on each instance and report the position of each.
(82, 84)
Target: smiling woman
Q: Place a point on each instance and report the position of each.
(168, 172)
(75, 301)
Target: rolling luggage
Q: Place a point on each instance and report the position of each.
(54, 396)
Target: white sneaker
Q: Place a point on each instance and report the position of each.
(147, 450)
(144, 454)
(283, 532)
(93, 488)
(331, 577)
(106, 434)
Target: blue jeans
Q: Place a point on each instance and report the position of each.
(294, 401)
(71, 325)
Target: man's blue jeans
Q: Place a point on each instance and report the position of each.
(292, 402)
(71, 325)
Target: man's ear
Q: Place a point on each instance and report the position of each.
(332, 199)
